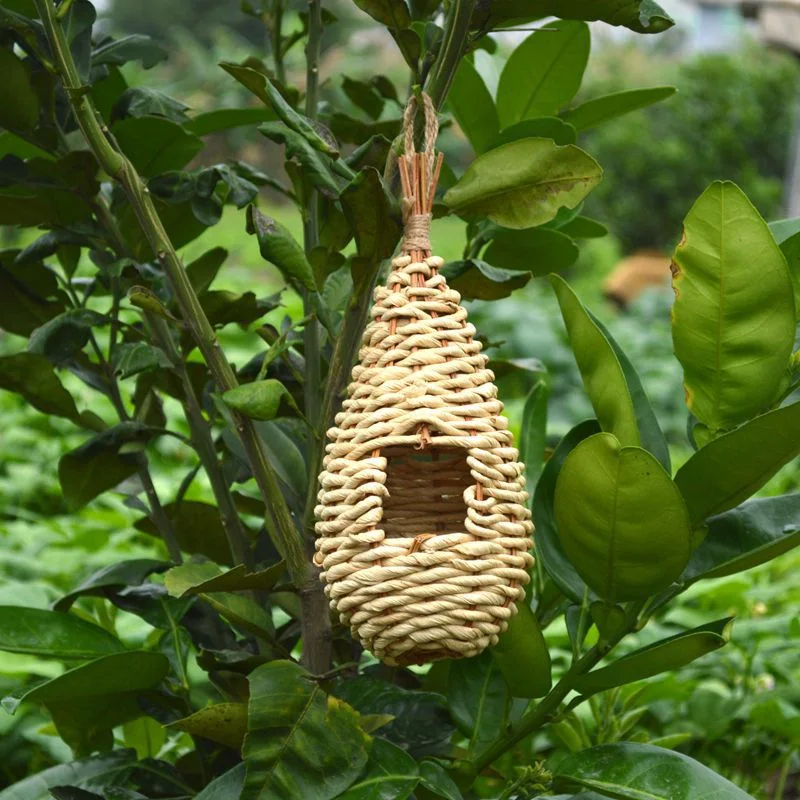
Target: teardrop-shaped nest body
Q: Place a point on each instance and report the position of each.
(423, 530)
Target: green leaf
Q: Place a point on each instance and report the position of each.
(53, 634)
(364, 95)
(787, 235)
(533, 436)
(145, 735)
(584, 228)
(202, 271)
(474, 279)
(60, 338)
(133, 358)
(522, 655)
(744, 537)
(653, 439)
(610, 106)
(547, 542)
(100, 464)
(300, 742)
(390, 774)
(24, 296)
(544, 72)
(225, 723)
(197, 527)
(316, 166)
(141, 101)
(32, 376)
(198, 578)
(622, 521)
(279, 247)
(136, 47)
(226, 787)
(262, 400)
(734, 466)
(642, 16)
(562, 133)
(19, 103)
(223, 119)
(732, 335)
(478, 698)
(261, 86)
(662, 656)
(537, 250)
(98, 773)
(372, 215)
(524, 183)
(473, 107)
(155, 144)
(631, 771)
(600, 368)
(88, 701)
(436, 779)
(133, 572)
(392, 13)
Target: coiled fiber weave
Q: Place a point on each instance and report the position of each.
(423, 530)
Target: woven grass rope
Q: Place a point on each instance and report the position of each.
(423, 531)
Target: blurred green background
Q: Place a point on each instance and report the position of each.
(734, 117)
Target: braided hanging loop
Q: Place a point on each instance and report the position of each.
(423, 531)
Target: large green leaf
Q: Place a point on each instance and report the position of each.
(533, 436)
(524, 183)
(600, 368)
(744, 537)
(133, 572)
(96, 773)
(390, 774)
(198, 528)
(787, 235)
(392, 13)
(279, 247)
(267, 92)
(155, 144)
(621, 519)
(136, 47)
(478, 698)
(223, 119)
(731, 468)
(535, 250)
(474, 279)
(663, 656)
(630, 771)
(87, 702)
(522, 655)
(642, 16)
(198, 578)
(225, 723)
(610, 106)
(733, 335)
(51, 633)
(473, 107)
(100, 464)
(32, 376)
(64, 336)
(543, 73)
(300, 742)
(19, 102)
(228, 786)
(542, 128)
(547, 542)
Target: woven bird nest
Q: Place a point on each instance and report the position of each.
(422, 527)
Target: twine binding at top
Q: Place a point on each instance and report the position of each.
(423, 530)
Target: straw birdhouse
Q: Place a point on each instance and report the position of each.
(422, 525)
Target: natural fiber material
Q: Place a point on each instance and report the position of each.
(423, 529)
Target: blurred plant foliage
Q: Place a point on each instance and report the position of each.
(733, 118)
(163, 633)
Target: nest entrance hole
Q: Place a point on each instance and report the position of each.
(426, 491)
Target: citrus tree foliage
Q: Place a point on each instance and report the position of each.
(244, 687)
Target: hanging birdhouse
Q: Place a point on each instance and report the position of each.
(423, 530)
